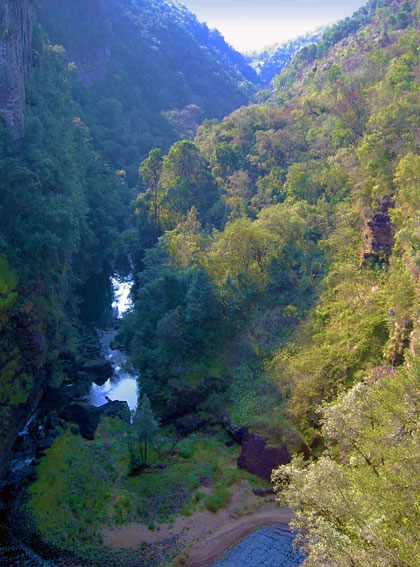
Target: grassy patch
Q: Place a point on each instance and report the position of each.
(220, 498)
(83, 485)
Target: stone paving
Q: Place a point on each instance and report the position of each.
(267, 547)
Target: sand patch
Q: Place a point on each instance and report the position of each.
(205, 536)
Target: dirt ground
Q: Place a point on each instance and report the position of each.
(205, 536)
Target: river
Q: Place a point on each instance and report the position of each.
(123, 385)
(267, 547)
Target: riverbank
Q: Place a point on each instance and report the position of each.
(205, 536)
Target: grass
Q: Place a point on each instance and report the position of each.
(220, 498)
(82, 485)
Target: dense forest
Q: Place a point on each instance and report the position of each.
(275, 265)
(147, 73)
(271, 60)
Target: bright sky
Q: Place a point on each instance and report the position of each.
(253, 24)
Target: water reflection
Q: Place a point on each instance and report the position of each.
(123, 385)
(123, 389)
(267, 547)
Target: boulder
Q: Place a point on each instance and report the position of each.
(238, 434)
(101, 369)
(53, 419)
(259, 459)
(45, 443)
(115, 409)
(87, 417)
(79, 389)
(263, 493)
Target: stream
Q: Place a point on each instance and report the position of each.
(267, 547)
(123, 385)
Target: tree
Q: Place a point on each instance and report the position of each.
(186, 181)
(241, 253)
(239, 191)
(145, 428)
(186, 241)
(358, 504)
(150, 171)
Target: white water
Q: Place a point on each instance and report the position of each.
(123, 385)
(122, 301)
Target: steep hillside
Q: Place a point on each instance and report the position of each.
(132, 75)
(270, 61)
(62, 210)
(307, 255)
(16, 18)
(275, 261)
(145, 73)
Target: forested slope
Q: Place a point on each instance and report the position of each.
(275, 259)
(288, 241)
(145, 73)
(130, 76)
(271, 60)
(61, 211)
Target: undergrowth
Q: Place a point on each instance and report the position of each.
(82, 486)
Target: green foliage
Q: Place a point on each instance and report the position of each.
(359, 501)
(175, 324)
(60, 215)
(270, 61)
(145, 429)
(8, 295)
(140, 65)
(82, 486)
(220, 498)
(282, 245)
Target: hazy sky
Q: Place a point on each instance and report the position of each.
(252, 24)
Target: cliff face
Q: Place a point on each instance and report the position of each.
(378, 233)
(15, 57)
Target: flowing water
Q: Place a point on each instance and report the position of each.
(122, 301)
(267, 547)
(123, 385)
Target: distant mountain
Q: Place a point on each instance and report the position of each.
(271, 60)
(138, 66)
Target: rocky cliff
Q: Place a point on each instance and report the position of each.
(15, 57)
(378, 232)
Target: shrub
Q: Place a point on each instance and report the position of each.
(220, 498)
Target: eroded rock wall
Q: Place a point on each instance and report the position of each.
(16, 21)
(378, 232)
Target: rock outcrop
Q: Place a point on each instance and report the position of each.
(378, 233)
(15, 58)
(87, 417)
(259, 459)
(100, 370)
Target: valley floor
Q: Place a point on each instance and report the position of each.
(205, 536)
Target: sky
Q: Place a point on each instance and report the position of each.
(254, 24)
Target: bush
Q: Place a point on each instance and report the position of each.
(220, 498)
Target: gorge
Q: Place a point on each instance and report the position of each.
(267, 241)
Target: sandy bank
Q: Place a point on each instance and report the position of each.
(206, 536)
